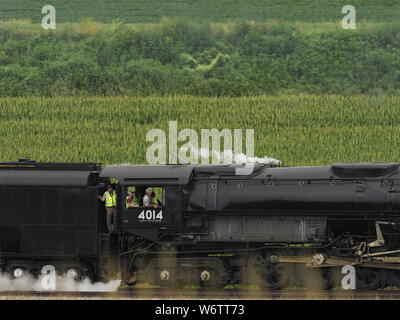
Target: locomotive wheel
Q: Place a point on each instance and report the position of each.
(17, 270)
(313, 278)
(394, 278)
(162, 272)
(74, 273)
(267, 274)
(166, 278)
(210, 278)
(370, 278)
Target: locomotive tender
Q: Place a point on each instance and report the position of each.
(212, 227)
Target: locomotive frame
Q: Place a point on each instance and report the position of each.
(273, 227)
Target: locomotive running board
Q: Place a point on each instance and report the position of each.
(316, 262)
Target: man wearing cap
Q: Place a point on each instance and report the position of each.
(110, 199)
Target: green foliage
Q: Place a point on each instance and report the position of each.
(178, 56)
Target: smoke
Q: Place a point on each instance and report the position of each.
(62, 283)
(226, 156)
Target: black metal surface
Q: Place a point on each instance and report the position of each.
(299, 190)
(149, 174)
(45, 221)
(225, 170)
(261, 228)
(49, 211)
(364, 170)
(27, 164)
(47, 178)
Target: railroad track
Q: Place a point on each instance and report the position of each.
(182, 294)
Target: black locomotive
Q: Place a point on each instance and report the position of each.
(213, 225)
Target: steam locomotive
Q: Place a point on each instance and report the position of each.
(213, 224)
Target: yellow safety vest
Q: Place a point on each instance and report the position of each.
(111, 200)
(126, 201)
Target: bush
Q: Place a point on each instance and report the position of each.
(177, 56)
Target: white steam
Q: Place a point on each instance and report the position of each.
(217, 157)
(226, 156)
(62, 283)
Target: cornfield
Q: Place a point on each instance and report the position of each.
(154, 10)
(299, 130)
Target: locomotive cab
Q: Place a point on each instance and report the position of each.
(155, 222)
(146, 221)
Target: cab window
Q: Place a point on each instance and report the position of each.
(149, 196)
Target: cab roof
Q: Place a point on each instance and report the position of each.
(149, 174)
(179, 174)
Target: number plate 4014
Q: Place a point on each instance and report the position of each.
(150, 215)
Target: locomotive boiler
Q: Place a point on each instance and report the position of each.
(210, 225)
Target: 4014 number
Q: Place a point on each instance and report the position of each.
(149, 215)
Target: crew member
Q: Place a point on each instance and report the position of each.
(148, 200)
(110, 199)
(129, 200)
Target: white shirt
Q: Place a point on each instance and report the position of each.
(147, 200)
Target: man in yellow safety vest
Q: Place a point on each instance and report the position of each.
(110, 199)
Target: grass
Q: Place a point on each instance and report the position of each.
(201, 10)
(299, 130)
